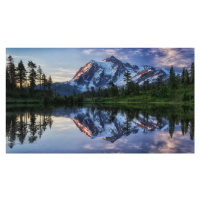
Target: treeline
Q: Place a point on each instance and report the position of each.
(160, 89)
(21, 81)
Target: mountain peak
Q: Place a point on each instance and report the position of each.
(112, 59)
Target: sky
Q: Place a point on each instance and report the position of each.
(63, 63)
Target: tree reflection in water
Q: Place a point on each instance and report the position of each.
(99, 120)
(20, 123)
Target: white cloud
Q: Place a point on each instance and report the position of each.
(87, 51)
(137, 52)
(110, 51)
(173, 57)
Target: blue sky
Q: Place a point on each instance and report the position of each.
(63, 63)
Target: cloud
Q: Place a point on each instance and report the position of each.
(138, 52)
(172, 56)
(88, 146)
(101, 51)
(110, 51)
(61, 74)
(88, 51)
(64, 71)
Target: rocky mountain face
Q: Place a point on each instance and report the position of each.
(99, 74)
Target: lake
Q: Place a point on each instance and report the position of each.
(140, 128)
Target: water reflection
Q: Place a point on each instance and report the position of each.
(112, 124)
(20, 123)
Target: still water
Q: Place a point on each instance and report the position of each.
(100, 129)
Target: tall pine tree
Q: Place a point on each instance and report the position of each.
(32, 75)
(183, 76)
(192, 73)
(187, 80)
(11, 72)
(127, 79)
(44, 81)
(21, 74)
(172, 79)
(39, 76)
(49, 82)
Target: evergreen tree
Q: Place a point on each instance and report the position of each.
(144, 86)
(131, 87)
(99, 92)
(178, 79)
(159, 83)
(137, 88)
(183, 76)
(159, 86)
(127, 79)
(44, 81)
(172, 79)
(192, 73)
(7, 78)
(21, 74)
(148, 85)
(122, 91)
(32, 75)
(92, 92)
(11, 72)
(49, 82)
(187, 80)
(113, 89)
(39, 76)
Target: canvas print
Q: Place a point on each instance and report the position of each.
(100, 100)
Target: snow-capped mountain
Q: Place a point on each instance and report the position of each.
(99, 74)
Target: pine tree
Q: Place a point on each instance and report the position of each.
(148, 85)
(99, 92)
(183, 76)
(144, 86)
(137, 88)
(187, 80)
(49, 82)
(113, 89)
(92, 92)
(39, 76)
(159, 83)
(32, 75)
(192, 73)
(127, 79)
(122, 91)
(159, 86)
(11, 72)
(21, 74)
(172, 79)
(44, 81)
(7, 78)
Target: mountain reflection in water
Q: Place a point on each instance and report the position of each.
(135, 129)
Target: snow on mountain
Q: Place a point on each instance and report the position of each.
(98, 74)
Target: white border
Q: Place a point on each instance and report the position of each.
(99, 24)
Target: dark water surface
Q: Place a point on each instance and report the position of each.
(100, 129)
